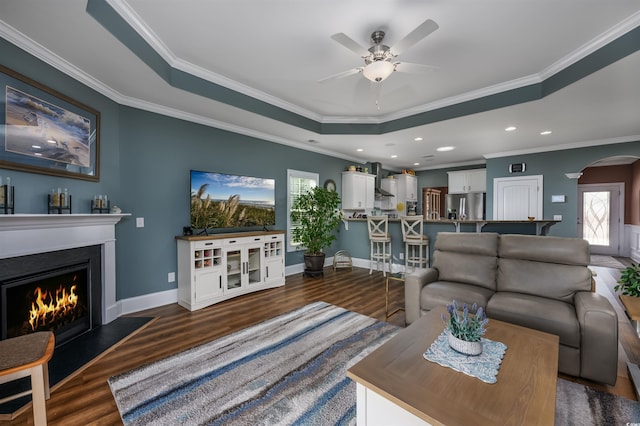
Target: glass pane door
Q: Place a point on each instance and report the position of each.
(254, 265)
(234, 270)
(596, 215)
(600, 217)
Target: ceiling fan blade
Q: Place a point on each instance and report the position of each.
(414, 68)
(420, 32)
(342, 74)
(350, 44)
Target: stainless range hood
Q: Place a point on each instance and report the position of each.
(376, 169)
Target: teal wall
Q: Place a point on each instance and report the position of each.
(553, 166)
(145, 160)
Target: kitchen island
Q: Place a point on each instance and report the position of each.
(354, 238)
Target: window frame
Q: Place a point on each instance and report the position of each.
(297, 174)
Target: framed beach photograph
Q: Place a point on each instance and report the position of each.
(44, 131)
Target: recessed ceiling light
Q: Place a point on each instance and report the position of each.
(389, 144)
(510, 128)
(359, 149)
(446, 148)
(394, 156)
(416, 164)
(546, 132)
(418, 139)
(36, 147)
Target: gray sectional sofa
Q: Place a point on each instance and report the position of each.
(538, 282)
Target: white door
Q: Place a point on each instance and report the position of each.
(600, 216)
(517, 198)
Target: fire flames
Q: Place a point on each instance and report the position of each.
(49, 307)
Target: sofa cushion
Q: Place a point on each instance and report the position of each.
(550, 280)
(539, 313)
(468, 258)
(484, 243)
(566, 251)
(438, 294)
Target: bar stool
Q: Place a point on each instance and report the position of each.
(380, 242)
(25, 356)
(415, 242)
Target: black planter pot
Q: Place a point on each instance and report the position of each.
(314, 264)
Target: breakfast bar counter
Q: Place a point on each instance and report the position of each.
(354, 238)
(541, 226)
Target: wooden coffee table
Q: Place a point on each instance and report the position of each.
(396, 385)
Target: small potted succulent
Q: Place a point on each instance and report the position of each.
(465, 330)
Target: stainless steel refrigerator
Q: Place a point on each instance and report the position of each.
(469, 206)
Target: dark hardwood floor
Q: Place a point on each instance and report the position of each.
(86, 398)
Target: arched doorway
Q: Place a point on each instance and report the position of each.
(604, 192)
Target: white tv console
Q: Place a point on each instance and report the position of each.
(213, 268)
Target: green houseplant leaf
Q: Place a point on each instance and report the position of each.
(629, 282)
(318, 216)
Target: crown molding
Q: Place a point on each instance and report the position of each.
(139, 25)
(452, 165)
(592, 46)
(573, 145)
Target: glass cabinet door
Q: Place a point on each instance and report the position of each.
(254, 267)
(234, 269)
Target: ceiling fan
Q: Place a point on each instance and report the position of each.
(379, 58)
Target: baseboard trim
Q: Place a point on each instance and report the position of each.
(136, 304)
(147, 301)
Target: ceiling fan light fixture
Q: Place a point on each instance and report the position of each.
(377, 71)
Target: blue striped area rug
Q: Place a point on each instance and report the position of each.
(289, 370)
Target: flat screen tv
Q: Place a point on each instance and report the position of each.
(221, 200)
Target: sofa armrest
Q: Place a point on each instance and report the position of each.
(599, 337)
(413, 283)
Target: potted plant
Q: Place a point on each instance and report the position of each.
(629, 282)
(629, 287)
(316, 215)
(465, 331)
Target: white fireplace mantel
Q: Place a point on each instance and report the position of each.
(25, 234)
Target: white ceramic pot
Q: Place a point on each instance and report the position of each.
(464, 347)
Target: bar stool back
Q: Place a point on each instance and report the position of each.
(380, 242)
(416, 244)
(25, 356)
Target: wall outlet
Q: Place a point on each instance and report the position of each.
(171, 277)
(139, 222)
(557, 217)
(401, 256)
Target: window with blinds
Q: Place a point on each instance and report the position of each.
(298, 182)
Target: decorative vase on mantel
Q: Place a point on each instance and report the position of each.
(465, 347)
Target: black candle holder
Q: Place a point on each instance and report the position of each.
(100, 206)
(7, 198)
(59, 206)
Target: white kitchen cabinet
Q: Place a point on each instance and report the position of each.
(213, 268)
(407, 187)
(358, 190)
(406, 194)
(388, 203)
(464, 181)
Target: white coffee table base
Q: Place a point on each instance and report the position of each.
(375, 410)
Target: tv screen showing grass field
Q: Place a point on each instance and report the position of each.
(221, 200)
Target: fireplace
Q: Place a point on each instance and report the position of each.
(23, 235)
(57, 291)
